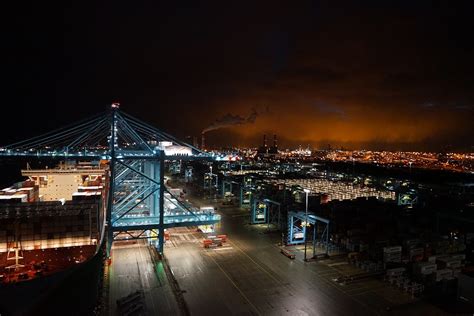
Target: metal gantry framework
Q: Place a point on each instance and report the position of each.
(246, 197)
(274, 213)
(258, 212)
(408, 198)
(228, 186)
(247, 193)
(211, 181)
(175, 167)
(135, 152)
(188, 174)
(297, 229)
(265, 211)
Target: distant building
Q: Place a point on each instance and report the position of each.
(268, 151)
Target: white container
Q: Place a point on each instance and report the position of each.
(453, 264)
(461, 257)
(443, 274)
(426, 267)
(395, 271)
(393, 249)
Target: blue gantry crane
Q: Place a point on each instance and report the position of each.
(298, 222)
(138, 203)
(265, 211)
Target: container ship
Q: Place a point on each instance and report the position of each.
(52, 240)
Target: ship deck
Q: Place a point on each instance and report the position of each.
(43, 262)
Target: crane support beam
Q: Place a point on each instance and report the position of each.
(136, 152)
(298, 224)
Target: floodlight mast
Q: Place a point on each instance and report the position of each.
(306, 191)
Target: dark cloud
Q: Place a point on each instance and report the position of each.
(324, 107)
(230, 120)
(368, 74)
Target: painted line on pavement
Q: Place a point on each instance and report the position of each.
(235, 285)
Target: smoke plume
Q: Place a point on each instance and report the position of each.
(232, 120)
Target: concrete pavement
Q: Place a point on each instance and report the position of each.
(132, 269)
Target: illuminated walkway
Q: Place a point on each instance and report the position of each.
(132, 269)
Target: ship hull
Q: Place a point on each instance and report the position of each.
(73, 291)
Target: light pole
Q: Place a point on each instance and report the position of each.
(211, 182)
(306, 221)
(353, 166)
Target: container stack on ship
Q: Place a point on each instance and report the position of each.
(51, 239)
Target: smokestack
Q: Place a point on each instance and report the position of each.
(275, 141)
(264, 140)
(203, 141)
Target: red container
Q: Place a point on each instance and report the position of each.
(223, 237)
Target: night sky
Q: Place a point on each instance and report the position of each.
(375, 76)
